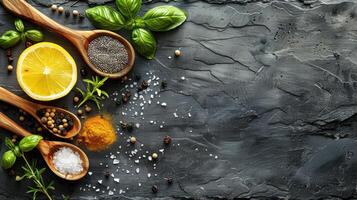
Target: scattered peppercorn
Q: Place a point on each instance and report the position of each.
(167, 140)
(107, 175)
(81, 16)
(154, 156)
(54, 7)
(123, 79)
(169, 180)
(83, 71)
(80, 112)
(10, 59)
(87, 108)
(75, 13)
(9, 52)
(137, 77)
(126, 96)
(155, 189)
(177, 53)
(130, 127)
(163, 84)
(28, 44)
(67, 13)
(75, 99)
(133, 140)
(143, 86)
(60, 10)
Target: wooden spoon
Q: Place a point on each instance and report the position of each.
(32, 108)
(47, 148)
(80, 39)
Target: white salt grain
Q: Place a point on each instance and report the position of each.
(67, 161)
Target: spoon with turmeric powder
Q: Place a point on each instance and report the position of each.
(58, 121)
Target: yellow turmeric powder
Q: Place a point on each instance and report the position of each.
(98, 133)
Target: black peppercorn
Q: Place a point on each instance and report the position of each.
(130, 127)
(10, 59)
(169, 180)
(106, 174)
(8, 52)
(81, 16)
(137, 77)
(163, 84)
(123, 125)
(83, 71)
(167, 140)
(154, 189)
(67, 13)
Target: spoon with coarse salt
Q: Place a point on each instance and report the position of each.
(48, 150)
(34, 108)
(80, 39)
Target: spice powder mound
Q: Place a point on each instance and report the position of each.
(98, 133)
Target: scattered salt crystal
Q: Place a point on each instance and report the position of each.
(137, 170)
(115, 161)
(100, 181)
(183, 78)
(117, 180)
(67, 161)
(175, 114)
(139, 184)
(110, 193)
(112, 175)
(151, 122)
(149, 175)
(136, 161)
(150, 158)
(215, 157)
(189, 115)
(137, 125)
(90, 173)
(127, 171)
(161, 126)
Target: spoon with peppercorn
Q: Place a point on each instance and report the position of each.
(80, 39)
(48, 150)
(58, 121)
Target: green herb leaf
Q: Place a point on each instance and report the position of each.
(93, 91)
(34, 35)
(105, 17)
(19, 25)
(128, 8)
(29, 142)
(8, 159)
(144, 42)
(9, 39)
(9, 144)
(164, 18)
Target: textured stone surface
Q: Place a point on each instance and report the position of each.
(271, 89)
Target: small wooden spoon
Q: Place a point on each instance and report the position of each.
(32, 108)
(47, 148)
(80, 39)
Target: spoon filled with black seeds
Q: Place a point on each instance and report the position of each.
(57, 121)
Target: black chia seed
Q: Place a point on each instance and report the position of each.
(107, 54)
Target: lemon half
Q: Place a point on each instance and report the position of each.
(46, 71)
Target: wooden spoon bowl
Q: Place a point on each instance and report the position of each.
(80, 39)
(32, 108)
(47, 149)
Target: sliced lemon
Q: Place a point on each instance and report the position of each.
(46, 71)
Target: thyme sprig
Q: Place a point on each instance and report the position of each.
(93, 91)
(31, 172)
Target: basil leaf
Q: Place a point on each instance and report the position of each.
(8, 159)
(29, 142)
(34, 35)
(164, 18)
(144, 42)
(105, 17)
(128, 8)
(9, 39)
(19, 25)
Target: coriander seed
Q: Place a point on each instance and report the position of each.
(10, 68)
(54, 7)
(177, 53)
(80, 112)
(133, 140)
(21, 118)
(154, 156)
(75, 13)
(87, 108)
(76, 99)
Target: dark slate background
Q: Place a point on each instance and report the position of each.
(271, 89)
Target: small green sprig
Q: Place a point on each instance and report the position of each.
(93, 91)
(31, 172)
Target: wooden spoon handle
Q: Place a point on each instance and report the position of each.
(17, 101)
(25, 10)
(10, 125)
